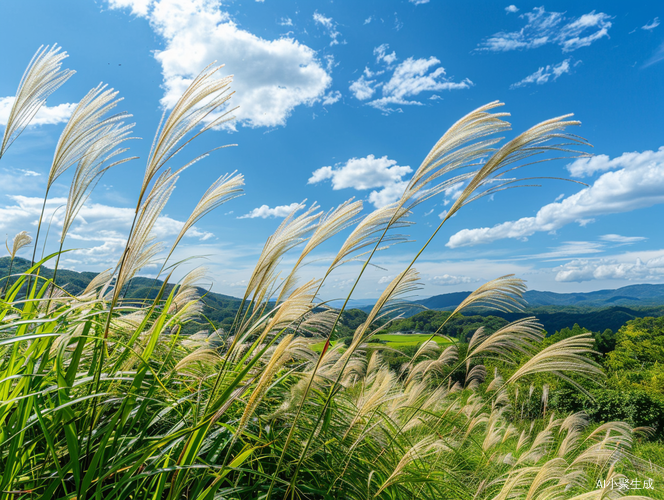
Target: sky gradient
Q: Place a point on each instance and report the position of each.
(344, 99)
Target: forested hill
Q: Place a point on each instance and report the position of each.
(630, 296)
(220, 309)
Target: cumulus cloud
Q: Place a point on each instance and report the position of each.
(511, 9)
(638, 184)
(542, 75)
(544, 28)
(419, 2)
(604, 269)
(286, 21)
(265, 211)
(330, 26)
(368, 20)
(584, 167)
(273, 77)
(367, 173)
(47, 115)
(651, 25)
(409, 79)
(449, 279)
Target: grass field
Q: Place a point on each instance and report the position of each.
(394, 340)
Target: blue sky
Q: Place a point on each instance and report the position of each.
(344, 99)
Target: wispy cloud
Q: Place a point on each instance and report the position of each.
(651, 25)
(544, 28)
(545, 73)
(511, 9)
(408, 79)
(330, 26)
(656, 57)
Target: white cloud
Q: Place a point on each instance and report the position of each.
(265, 211)
(449, 279)
(588, 166)
(419, 2)
(511, 9)
(367, 173)
(331, 97)
(362, 88)
(47, 115)
(330, 26)
(138, 7)
(286, 21)
(381, 54)
(362, 173)
(272, 77)
(543, 74)
(368, 20)
(606, 269)
(99, 233)
(656, 57)
(623, 240)
(651, 25)
(543, 28)
(385, 279)
(639, 184)
(409, 79)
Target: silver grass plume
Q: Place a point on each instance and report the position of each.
(92, 166)
(224, 189)
(42, 77)
(21, 240)
(141, 249)
(290, 233)
(457, 148)
(331, 223)
(204, 96)
(567, 355)
(85, 127)
(535, 141)
(370, 231)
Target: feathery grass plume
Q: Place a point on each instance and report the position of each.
(535, 141)
(204, 96)
(331, 223)
(458, 148)
(92, 166)
(21, 240)
(519, 337)
(42, 77)
(371, 230)
(85, 127)
(402, 284)
(224, 189)
(140, 249)
(567, 355)
(503, 294)
(290, 233)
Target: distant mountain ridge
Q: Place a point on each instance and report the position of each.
(632, 295)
